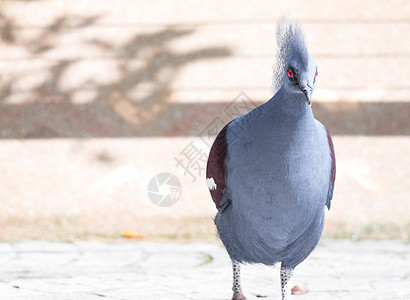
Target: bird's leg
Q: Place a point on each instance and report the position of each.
(236, 287)
(285, 280)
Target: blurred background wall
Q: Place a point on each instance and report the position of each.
(97, 97)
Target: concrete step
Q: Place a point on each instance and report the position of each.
(99, 186)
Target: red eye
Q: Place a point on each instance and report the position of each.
(290, 73)
(316, 73)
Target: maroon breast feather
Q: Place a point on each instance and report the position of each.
(215, 170)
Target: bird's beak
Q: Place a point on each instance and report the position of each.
(308, 94)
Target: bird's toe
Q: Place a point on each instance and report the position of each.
(298, 290)
(238, 296)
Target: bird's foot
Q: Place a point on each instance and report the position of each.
(238, 296)
(298, 290)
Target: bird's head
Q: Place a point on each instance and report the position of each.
(296, 71)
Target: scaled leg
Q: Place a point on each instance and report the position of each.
(237, 289)
(285, 281)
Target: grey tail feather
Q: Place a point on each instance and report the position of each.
(290, 41)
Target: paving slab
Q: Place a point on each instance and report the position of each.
(337, 269)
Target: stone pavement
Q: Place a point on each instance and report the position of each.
(338, 269)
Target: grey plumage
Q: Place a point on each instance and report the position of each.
(274, 167)
(273, 206)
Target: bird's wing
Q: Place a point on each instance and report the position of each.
(215, 170)
(332, 170)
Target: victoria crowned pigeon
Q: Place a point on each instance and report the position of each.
(271, 171)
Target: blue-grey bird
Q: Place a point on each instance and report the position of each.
(271, 171)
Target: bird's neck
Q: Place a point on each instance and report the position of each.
(290, 106)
